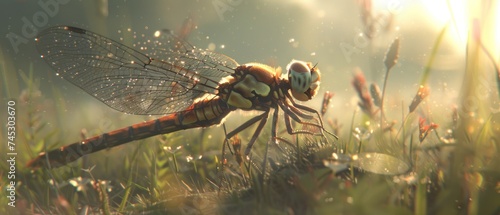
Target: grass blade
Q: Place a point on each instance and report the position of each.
(427, 69)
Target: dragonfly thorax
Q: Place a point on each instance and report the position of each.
(251, 86)
(254, 86)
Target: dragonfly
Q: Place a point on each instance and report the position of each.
(190, 87)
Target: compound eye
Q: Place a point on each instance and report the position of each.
(299, 75)
(304, 79)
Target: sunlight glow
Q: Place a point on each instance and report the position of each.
(496, 51)
(453, 12)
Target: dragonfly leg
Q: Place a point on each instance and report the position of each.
(291, 130)
(310, 110)
(298, 109)
(274, 126)
(246, 124)
(289, 127)
(299, 113)
(274, 134)
(289, 113)
(223, 162)
(263, 121)
(226, 142)
(262, 118)
(296, 114)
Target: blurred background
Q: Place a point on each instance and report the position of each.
(449, 47)
(338, 35)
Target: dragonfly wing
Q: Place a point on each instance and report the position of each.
(171, 48)
(128, 80)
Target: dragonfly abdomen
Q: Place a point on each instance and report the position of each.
(201, 114)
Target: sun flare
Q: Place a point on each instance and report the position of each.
(454, 13)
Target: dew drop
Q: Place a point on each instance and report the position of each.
(157, 33)
(211, 46)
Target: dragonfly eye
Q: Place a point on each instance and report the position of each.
(304, 79)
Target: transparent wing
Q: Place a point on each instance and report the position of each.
(167, 80)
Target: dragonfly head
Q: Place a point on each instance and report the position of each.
(304, 79)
